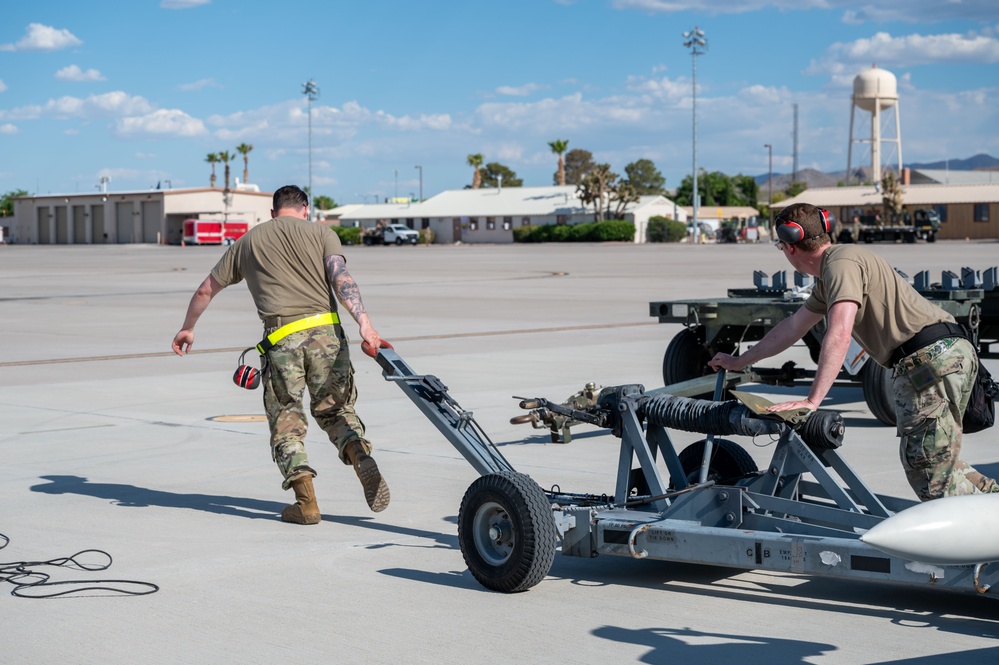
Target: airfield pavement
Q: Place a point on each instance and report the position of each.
(111, 442)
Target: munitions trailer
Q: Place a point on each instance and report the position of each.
(804, 513)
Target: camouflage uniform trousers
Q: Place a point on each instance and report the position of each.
(316, 360)
(931, 388)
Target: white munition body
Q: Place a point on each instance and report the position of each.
(957, 530)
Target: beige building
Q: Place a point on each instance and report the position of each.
(966, 210)
(152, 216)
(490, 215)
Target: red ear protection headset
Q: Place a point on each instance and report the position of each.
(246, 376)
(791, 232)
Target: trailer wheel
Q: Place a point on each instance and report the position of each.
(506, 532)
(729, 462)
(878, 393)
(687, 357)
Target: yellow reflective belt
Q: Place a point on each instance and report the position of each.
(314, 321)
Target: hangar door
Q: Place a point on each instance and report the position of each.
(124, 224)
(152, 218)
(62, 225)
(44, 229)
(79, 224)
(100, 235)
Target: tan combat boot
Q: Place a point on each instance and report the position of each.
(376, 491)
(304, 510)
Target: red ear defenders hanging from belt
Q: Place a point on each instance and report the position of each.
(791, 232)
(246, 376)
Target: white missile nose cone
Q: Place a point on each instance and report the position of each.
(956, 530)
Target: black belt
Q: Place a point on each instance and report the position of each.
(927, 336)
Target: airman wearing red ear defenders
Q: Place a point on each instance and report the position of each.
(296, 273)
(861, 296)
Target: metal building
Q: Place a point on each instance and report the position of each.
(150, 216)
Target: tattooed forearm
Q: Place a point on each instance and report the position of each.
(343, 286)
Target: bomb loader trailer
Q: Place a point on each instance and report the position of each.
(804, 513)
(746, 315)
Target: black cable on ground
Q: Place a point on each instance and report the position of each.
(31, 583)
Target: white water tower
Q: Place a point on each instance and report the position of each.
(876, 92)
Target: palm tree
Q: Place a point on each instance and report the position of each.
(559, 146)
(212, 159)
(225, 158)
(475, 161)
(244, 149)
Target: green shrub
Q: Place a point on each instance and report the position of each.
(614, 230)
(426, 237)
(608, 231)
(524, 234)
(663, 229)
(348, 235)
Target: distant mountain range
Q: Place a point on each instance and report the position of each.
(815, 178)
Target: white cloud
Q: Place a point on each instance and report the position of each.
(663, 88)
(908, 50)
(8, 129)
(182, 4)
(907, 11)
(40, 37)
(172, 122)
(519, 91)
(200, 84)
(3, 86)
(95, 106)
(74, 73)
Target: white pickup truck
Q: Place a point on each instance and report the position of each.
(397, 234)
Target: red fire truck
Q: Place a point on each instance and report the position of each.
(213, 231)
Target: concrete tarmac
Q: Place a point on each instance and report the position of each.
(111, 442)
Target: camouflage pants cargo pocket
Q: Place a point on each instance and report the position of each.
(931, 391)
(315, 360)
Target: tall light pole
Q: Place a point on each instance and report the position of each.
(396, 194)
(698, 45)
(311, 91)
(421, 181)
(770, 184)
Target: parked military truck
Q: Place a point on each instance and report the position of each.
(746, 315)
(922, 224)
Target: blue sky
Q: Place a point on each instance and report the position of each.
(142, 90)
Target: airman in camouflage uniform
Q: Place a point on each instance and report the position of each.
(861, 296)
(296, 273)
(929, 420)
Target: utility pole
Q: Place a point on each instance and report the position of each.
(698, 45)
(770, 184)
(421, 181)
(311, 91)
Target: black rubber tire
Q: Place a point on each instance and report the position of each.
(687, 358)
(506, 532)
(729, 462)
(876, 381)
(398, 241)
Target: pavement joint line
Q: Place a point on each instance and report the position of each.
(417, 338)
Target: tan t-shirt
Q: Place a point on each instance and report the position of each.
(890, 311)
(282, 263)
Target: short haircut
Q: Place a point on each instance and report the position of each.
(810, 219)
(289, 196)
